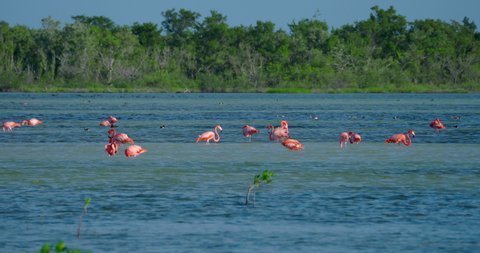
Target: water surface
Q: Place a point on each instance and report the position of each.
(186, 197)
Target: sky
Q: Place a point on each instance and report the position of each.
(240, 12)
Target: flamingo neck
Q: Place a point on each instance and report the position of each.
(407, 141)
(216, 137)
(112, 133)
(270, 132)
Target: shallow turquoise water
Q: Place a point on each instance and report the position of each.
(186, 197)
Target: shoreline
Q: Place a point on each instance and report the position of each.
(419, 90)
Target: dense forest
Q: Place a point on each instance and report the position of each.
(384, 53)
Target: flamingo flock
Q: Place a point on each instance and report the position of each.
(116, 139)
(110, 122)
(352, 137)
(276, 134)
(8, 126)
(281, 134)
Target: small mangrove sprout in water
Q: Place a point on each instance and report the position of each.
(60, 247)
(85, 206)
(264, 178)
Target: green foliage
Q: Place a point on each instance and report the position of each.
(384, 53)
(288, 90)
(59, 247)
(87, 203)
(148, 34)
(264, 178)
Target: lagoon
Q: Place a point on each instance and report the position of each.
(183, 196)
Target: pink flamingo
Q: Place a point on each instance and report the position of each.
(8, 126)
(119, 138)
(284, 124)
(109, 122)
(280, 133)
(207, 136)
(134, 150)
(292, 144)
(32, 122)
(248, 131)
(277, 133)
(437, 125)
(354, 138)
(112, 148)
(105, 123)
(403, 138)
(112, 120)
(343, 139)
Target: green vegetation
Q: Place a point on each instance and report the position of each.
(60, 247)
(288, 90)
(264, 178)
(384, 53)
(85, 206)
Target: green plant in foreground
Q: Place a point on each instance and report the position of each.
(85, 206)
(60, 247)
(264, 178)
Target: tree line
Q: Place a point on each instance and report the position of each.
(385, 52)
